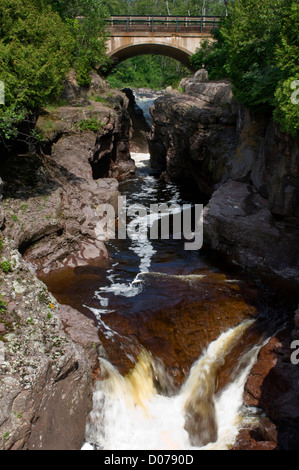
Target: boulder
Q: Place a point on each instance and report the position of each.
(239, 223)
(215, 93)
(201, 75)
(72, 92)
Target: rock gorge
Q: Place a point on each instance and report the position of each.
(245, 168)
(243, 164)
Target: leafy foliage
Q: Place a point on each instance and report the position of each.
(35, 51)
(213, 56)
(252, 42)
(85, 21)
(93, 125)
(257, 48)
(40, 40)
(287, 110)
(148, 71)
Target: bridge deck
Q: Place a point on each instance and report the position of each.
(119, 25)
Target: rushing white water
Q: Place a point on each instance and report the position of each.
(142, 247)
(145, 100)
(130, 414)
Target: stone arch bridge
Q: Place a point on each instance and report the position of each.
(176, 37)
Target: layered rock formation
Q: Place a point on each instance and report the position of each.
(272, 388)
(49, 220)
(51, 204)
(238, 222)
(242, 161)
(192, 138)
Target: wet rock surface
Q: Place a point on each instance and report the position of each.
(196, 312)
(273, 386)
(50, 231)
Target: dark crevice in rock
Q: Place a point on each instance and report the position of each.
(47, 145)
(103, 157)
(74, 367)
(26, 245)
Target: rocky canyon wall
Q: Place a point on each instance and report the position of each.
(243, 163)
(49, 221)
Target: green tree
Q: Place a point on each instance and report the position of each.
(286, 113)
(117, 7)
(85, 20)
(214, 55)
(148, 71)
(252, 43)
(35, 53)
(257, 48)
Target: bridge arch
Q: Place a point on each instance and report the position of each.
(132, 50)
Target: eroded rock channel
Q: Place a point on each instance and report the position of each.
(138, 343)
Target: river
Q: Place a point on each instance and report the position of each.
(180, 332)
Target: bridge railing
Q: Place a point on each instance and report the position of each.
(171, 24)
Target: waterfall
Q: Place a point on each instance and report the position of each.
(141, 412)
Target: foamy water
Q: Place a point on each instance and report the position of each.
(129, 413)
